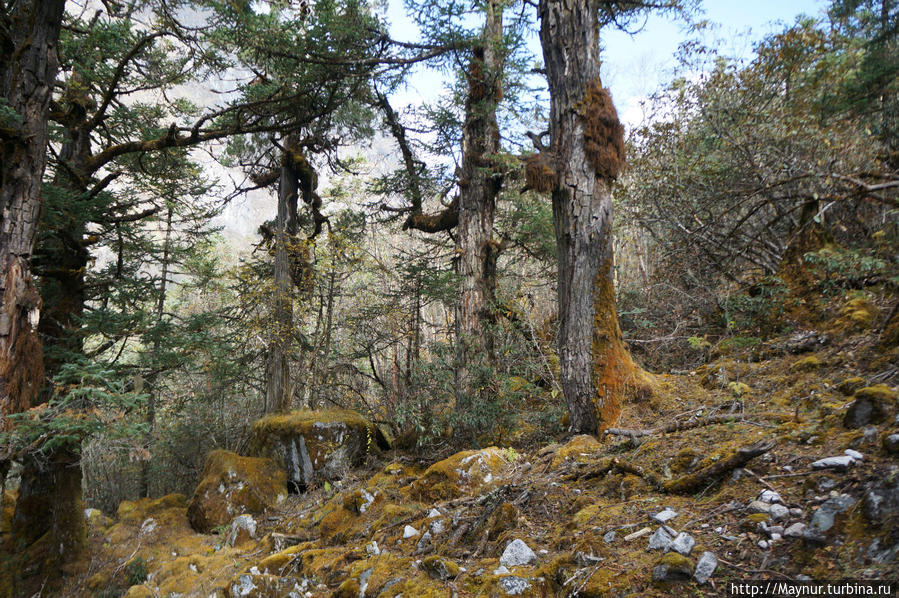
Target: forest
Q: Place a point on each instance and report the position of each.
(269, 328)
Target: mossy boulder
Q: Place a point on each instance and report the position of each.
(672, 567)
(850, 385)
(314, 446)
(872, 405)
(578, 449)
(232, 485)
(463, 472)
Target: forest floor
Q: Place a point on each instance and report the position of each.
(589, 512)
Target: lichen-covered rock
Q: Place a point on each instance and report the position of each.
(232, 485)
(672, 567)
(315, 445)
(871, 406)
(461, 473)
(440, 568)
(806, 364)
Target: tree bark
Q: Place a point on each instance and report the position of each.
(479, 183)
(278, 386)
(587, 153)
(27, 73)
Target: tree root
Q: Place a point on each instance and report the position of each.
(684, 484)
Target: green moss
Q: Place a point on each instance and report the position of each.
(440, 568)
(806, 364)
(850, 385)
(878, 392)
(738, 389)
(580, 448)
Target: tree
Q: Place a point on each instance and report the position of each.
(585, 156)
(29, 38)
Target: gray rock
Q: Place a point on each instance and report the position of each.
(779, 512)
(824, 517)
(517, 553)
(423, 542)
(705, 568)
(609, 537)
(437, 527)
(770, 497)
(660, 540)
(669, 571)
(758, 506)
(863, 411)
(775, 529)
(513, 586)
(797, 512)
(763, 544)
(501, 570)
(881, 502)
(434, 513)
(804, 341)
(665, 515)
(372, 548)
(683, 544)
(841, 463)
(409, 532)
(891, 444)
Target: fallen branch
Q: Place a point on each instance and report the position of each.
(684, 484)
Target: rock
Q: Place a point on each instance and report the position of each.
(578, 449)
(516, 554)
(423, 542)
(779, 512)
(409, 532)
(609, 537)
(881, 502)
(867, 408)
(243, 529)
(501, 570)
(775, 530)
(637, 534)
(665, 515)
(705, 568)
(231, 485)
(437, 527)
(682, 543)
(775, 537)
(315, 445)
(672, 567)
(434, 513)
(891, 443)
(797, 512)
(854, 454)
(464, 472)
(255, 584)
(841, 463)
(440, 568)
(758, 506)
(824, 518)
(513, 586)
(95, 519)
(764, 544)
(804, 341)
(660, 540)
(372, 549)
(878, 392)
(770, 497)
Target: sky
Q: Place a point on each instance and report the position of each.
(636, 65)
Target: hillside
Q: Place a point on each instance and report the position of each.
(589, 511)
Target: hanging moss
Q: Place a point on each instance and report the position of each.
(603, 132)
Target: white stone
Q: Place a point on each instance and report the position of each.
(517, 553)
(665, 515)
(148, 526)
(683, 544)
(854, 454)
(795, 531)
(706, 566)
(434, 513)
(501, 570)
(763, 544)
(770, 497)
(409, 532)
(841, 462)
(758, 506)
(372, 548)
(437, 527)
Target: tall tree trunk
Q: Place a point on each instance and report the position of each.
(277, 390)
(27, 73)
(479, 184)
(586, 153)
